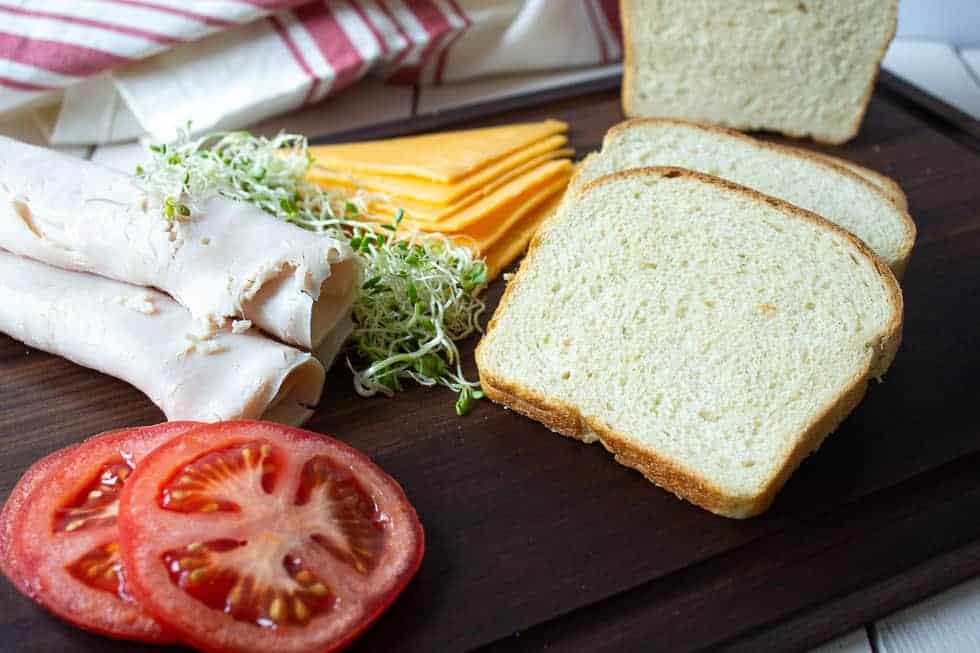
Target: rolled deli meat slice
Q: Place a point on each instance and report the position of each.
(226, 261)
(145, 338)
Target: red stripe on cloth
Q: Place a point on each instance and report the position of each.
(57, 57)
(273, 4)
(297, 55)
(436, 26)
(401, 32)
(375, 32)
(594, 21)
(333, 42)
(24, 86)
(611, 10)
(441, 66)
(91, 22)
(174, 11)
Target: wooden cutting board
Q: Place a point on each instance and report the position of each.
(537, 541)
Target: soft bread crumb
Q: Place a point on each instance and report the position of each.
(798, 177)
(671, 365)
(241, 326)
(207, 345)
(141, 303)
(801, 68)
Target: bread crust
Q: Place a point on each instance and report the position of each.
(687, 484)
(626, 96)
(822, 160)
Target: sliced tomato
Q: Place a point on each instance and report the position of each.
(251, 536)
(11, 564)
(59, 536)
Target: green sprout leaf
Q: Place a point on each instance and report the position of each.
(464, 402)
(420, 291)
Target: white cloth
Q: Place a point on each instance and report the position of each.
(121, 68)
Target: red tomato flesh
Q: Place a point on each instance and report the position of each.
(10, 564)
(59, 540)
(250, 536)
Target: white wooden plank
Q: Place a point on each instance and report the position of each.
(451, 96)
(368, 102)
(854, 642)
(935, 67)
(972, 58)
(946, 623)
(121, 156)
(955, 21)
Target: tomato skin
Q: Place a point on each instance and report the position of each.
(36, 557)
(149, 530)
(10, 564)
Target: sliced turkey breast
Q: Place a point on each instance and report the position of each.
(229, 260)
(147, 339)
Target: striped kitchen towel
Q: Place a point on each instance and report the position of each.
(95, 71)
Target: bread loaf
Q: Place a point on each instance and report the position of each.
(805, 68)
(707, 335)
(794, 175)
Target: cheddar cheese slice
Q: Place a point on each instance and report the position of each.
(421, 190)
(427, 212)
(501, 202)
(444, 157)
(483, 235)
(505, 250)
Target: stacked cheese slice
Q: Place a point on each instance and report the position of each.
(487, 189)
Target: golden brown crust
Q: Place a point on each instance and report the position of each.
(882, 182)
(822, 160)
(663, 472)
(626, 94)
(567, 420)
(859, 118)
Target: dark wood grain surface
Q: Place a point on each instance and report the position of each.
(537, 541)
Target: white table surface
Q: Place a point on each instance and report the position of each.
(946, 623)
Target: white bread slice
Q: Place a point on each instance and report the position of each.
(800, 67)
(785, 173)
(709, 336)
(881, 181)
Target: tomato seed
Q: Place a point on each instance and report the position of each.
(197, 575)
(319, 590)
(304, 577)
(300, 611)
(235, 595)
(277, 609)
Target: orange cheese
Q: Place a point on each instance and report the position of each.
(399, 188)
(501, 202)
(426, 212)
(505, 250)
(483, 235)
(444, 157)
